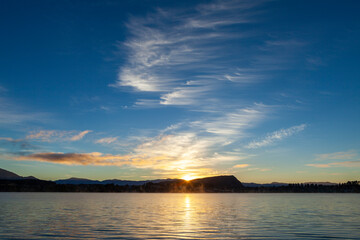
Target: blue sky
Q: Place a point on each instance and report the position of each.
(264, 90)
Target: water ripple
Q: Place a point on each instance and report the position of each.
(178, 216)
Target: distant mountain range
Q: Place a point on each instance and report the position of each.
(7, 175)
(11, 182)
(278, 184)
(109, 181)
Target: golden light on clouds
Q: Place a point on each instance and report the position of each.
(241, 166)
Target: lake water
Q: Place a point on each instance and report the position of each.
(179, 216)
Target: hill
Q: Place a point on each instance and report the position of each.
(7, 175)
(4, 174)
(209, 184)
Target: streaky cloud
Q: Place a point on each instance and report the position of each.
(276, 136)
(348, 164)
(184, 96)
(336, 155)
(233, 123)
(94, 158)
(241, 165)
(107, 140)
(56, 135)
(11, 114)
(170, 48)
(80, 135)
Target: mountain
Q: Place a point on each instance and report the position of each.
(210, 184)
(273, 184)
(108, 181)
(75, 180)
(7, 175)
(221, 182)
(4, 174)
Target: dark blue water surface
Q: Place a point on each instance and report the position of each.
(179, 216)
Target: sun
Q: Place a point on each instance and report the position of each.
(188, 177)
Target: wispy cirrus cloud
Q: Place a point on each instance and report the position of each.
(170, 48)
(106, 140)
(8, 139)
(184, 96)
(336, 155)
(11, 114)
(348, 155)
(276, 136)
(348, 164)
(80, 135)
(55, 135)
(233, 123)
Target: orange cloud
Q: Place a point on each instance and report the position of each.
(241, 166)
(100, 159)
(94, 158)
(336, 164)
(336, 155)
(54, 135)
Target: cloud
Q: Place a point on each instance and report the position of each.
(319, 165)
(233, 123)
(54, 135)
(184, 96)
(20, 144)
(11, 114)
(107, 140)
(349, 164)
(182, 148)
(241, 166)
(172, 127)
(243, 76)
(80, 135)
(336, 155)
(8, 139)
(259, 169)
(147, 103)
(346, 164)
(201, 143)
(276, 136)
(94, 158)
(286, 43)
(154, 160)
(225, 5)
(169, 48)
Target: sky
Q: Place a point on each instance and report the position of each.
(262, 90)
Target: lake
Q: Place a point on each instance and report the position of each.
(179, 216)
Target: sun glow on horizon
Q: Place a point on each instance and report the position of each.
(188, 177)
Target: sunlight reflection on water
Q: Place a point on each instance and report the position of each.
(178, 216)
